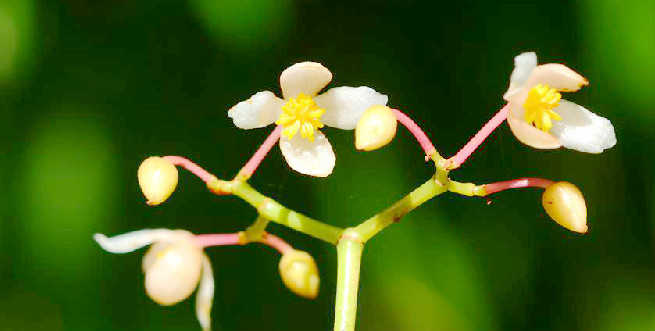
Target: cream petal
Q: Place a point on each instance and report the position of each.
(557, 76)
(524, 65)
(306, 157)
(260, 110)
(527, 133)
(131, 241)
(205, 295)
(305, 77)
(582, 130)
(345, 105)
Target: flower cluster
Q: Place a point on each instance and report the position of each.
(176, 265)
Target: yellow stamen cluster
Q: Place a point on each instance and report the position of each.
(300, 114)
(538, 107)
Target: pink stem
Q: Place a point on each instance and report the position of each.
(230, 239)
(192, 167)
(416, 131)
(276, 242)
(478, 139)
(260, 154)
(517, 183)
(218, 239)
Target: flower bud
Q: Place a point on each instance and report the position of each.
(565, 204)
(376, 128)
(157, 179)
(300, 274)
(172, 271)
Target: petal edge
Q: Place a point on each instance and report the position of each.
(260, 110)
(310, 158)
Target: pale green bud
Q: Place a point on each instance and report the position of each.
(565, 204)
(157, 179)
(375, 128)
(300, 273)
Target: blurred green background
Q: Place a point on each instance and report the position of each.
(88, 89)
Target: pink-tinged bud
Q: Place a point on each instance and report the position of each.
(157, 179)
(376, 128)
(300, 274)
(565, 204)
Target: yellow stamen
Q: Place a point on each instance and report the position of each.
(538, 107)
(300, 114)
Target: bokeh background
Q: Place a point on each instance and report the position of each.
(88, 89)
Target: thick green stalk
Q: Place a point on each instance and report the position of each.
(349, 255)
(468, 189)
(270, 209)
(377, 223)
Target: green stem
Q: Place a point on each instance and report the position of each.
(270, 209)
(349, 255)
(468, 189)
(255, 231)
(377, 223)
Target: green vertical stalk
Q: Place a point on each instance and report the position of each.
(349, 255)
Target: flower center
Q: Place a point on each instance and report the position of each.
(538, 107)
(300, 114)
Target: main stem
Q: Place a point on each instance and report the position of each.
(349, 256)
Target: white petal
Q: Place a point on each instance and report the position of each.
(305, 77)
(524, 64)
(260, 110)
(581, 129)
(134, 240)
(345, 105)
(205, 295)
(306, 157)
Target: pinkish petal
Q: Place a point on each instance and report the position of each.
(557, 76)
(528, 134)
(305, 77)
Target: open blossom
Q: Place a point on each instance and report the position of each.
(174, 266)
(539, 117)
(302, 113)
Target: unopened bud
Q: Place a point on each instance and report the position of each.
(376, 128)
(157, 179)
(172, 271)
(565, 204)
(300, 274)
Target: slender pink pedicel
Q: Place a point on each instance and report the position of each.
(517, 183)
(477, 140)
(192, 167)
(261, 153)
(416, 131)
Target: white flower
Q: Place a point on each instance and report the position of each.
(173, 267)
(539, 118)
(302, 111)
